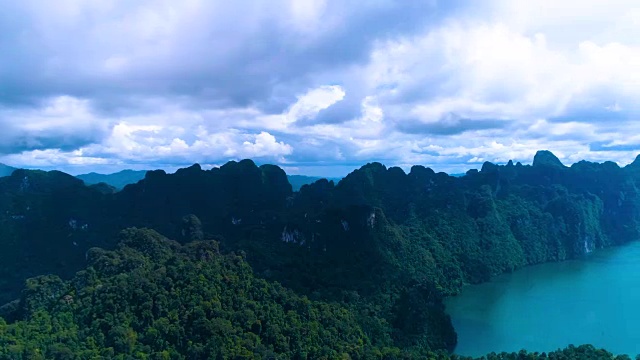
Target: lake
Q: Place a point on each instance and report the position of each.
(594, 300)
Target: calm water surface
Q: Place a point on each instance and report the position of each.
(594, 300)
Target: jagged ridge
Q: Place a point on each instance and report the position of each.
(424, 234)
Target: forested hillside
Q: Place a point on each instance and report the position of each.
(125, 177)
(153, 298)
(383, 245)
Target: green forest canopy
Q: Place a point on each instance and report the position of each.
(426, 234)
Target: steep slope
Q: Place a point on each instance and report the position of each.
(152, 298)
(387, 244)
(50, 219)
(236, 195)
(125, 177)
(47, 222)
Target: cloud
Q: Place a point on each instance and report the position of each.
(149, 143)
(264, 144)
(475, 71)
(310, 104)
(448, 124)
(223, 54)
(327, 83)
(62, 122)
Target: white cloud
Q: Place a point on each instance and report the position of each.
(265, 144)
(156, 144)
(61, 112)
(475, 71)
(306, 16)
(569, 22)
(315, 100)
(59, 122)
(542, 128)
(300, 82)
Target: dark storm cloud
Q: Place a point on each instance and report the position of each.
(346, 109)
(218, 55)
(450, 124)
(62, 123)
(15, 140)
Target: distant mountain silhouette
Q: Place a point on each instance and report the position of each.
(6, 170)
(297, 181)
(118, 180)
(546, 158)
(125, 177)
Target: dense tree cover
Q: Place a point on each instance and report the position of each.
(123, 178)
(44, 226)
(153, 298)
(587, 352)
(385, 245)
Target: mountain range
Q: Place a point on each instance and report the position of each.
(382, 247)
(118, 180)
(125, 177)
(6, 170)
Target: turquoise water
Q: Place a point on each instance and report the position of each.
(594, 300)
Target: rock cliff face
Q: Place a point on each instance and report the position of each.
(546, 158)
(391, 244)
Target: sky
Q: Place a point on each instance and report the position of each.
(318, 87)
